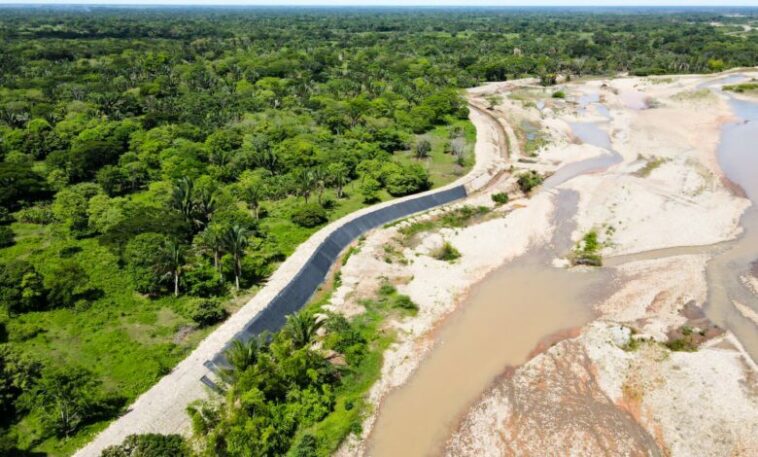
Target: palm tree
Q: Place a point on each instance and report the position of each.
(319, 178)
(242, 355)
(171, 263)
(182, 198)
(235, 240)
(305, 182)
(210, 241)
(301, 328)
(338, 176)
(204, 206)
(251, 189)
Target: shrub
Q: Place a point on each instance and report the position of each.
(149, 445)
(528, 180)
(404, 302)
(422, 148)
(67, 284)
(202, 280)
(500, 198)
(370, 189)
(387, 289)
(407, 180)
(587, 253)
(447, 252)
(307, 446)
(559, 94)
(206, 312)
(309, 215)
(684, 344)
(21, 288)
(6, 236)
(141, 255)
(37, 214)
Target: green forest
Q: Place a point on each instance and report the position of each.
(158, 164)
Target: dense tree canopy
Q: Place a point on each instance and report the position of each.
(156, 162)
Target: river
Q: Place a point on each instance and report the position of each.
(515, 307)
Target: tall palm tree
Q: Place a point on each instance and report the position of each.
(210, 241)
(171, 263)
(204, 207)
(301, 328)
(235, 240)
(338, 177)
(242, 355)
(251, 189)
(305, 182)
(182, 198)
(319, 178)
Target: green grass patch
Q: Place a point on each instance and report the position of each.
(453, 218)
(650, 165)
(443, 166)
(500, 198)
(743, 87)
(447, 253)
(528, 180)
(587, 252)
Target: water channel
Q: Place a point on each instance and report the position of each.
(515, 307)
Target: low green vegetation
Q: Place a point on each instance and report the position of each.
(150, 445)
(587, 252)
(452, 218)
(528, 180)
(697, 94)
(532, 138)
(559, 94)
(389, 298)
(500, 198)
(742, 87)
(447, 253)
(650, 165)
(534, 143)
(303, 390)
(685, 339)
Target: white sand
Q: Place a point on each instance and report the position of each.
(587, 395)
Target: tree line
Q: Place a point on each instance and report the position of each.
(189, 151)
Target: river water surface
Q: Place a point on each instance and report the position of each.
(507, 314)
(501, 321)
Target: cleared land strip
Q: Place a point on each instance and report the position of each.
(162, 409)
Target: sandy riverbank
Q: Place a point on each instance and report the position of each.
(597, 391)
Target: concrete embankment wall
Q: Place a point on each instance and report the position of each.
(305, 283)
(162, 409)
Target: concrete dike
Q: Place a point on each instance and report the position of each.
(162, 409)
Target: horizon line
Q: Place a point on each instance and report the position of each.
(391, 3)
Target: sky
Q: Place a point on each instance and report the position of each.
(400, 2)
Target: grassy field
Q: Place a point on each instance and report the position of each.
(130, 341)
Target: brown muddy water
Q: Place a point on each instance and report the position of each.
(502, 320)
(738, 158)
(506, 315)
(731, 260)
(499, 325)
